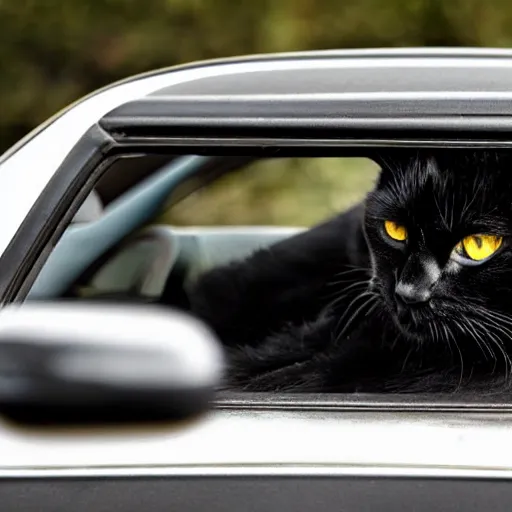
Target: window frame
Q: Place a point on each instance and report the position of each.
(90, 158)
(83, 167)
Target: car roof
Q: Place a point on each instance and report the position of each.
(343, 92)
(358, 71)
(477, 69)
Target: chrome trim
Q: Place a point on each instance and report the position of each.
(358, 402)
(429, 442)
(317, 143)
(342, 96)
(236, 471)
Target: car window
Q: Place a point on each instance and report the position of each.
(95, 256)
(191, 213)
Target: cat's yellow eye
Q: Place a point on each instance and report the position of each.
(395, 231)
(478, 247)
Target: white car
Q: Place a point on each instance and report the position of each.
(80, 200)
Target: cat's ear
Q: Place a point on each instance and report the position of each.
(395, 164)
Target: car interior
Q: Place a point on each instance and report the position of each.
(119, 247)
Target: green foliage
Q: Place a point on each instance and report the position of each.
(55, 51)
(289, 191)
(52, 52)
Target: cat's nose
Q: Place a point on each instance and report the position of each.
(412, 294)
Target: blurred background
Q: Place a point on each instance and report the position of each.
(55, 51)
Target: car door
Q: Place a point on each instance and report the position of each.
(256, 452)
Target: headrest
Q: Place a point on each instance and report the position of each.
(91, 209)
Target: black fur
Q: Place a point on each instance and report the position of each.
(318, 312)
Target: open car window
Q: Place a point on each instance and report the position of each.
(153, 224)
(167, 220)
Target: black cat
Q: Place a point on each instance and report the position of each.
(410, 291)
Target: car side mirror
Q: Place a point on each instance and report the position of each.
(96, 363)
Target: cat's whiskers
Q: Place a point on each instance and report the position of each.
(481, 336)
(350, 276)
(406, 358)
(506, 357)
(497, 331)
(449, 338)
(349, 290)
(485, 336)
(475, 195)
(506, 319)
(353, 284)
(468, 329)
(431, 331)
(352, 270)
(499, 323)
(499, 343)
(490, 330)
(351, 279)
(452, 212)
(445, 223)
(371, 297)
(352, 303)
(355, 315)
(438, 337)
(395, 341)
(350, 282)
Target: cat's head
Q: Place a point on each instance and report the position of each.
(439, 228)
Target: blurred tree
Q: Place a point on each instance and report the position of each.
(52, 52)
(290, 191)
(55, 51)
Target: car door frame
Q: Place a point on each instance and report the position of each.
(284, 469)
